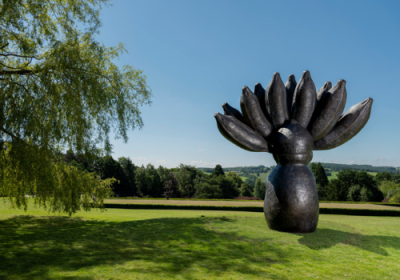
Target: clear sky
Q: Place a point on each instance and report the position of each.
(199, 54)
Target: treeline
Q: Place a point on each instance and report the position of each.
(181, 182)
(187, 181)
(353, 185)
(336, 167)
(240, 169)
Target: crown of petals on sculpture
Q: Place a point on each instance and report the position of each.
(320, 112)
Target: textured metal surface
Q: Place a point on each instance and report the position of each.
(304, 99)
(347, 127)
(253, 115)
(329, 109)
(275, 99)
(290, 86)
(240, 134)
(230, 111)
(291, 200)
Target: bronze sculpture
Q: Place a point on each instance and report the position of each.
(290, 121)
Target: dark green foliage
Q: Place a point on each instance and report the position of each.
(227, 185)
(321, 179)
(251, 180)
(383, 176)
(206, 191)
(107, 167)
(187, 176)
(369, 190)
(396, 178)
(148, 181)
(246, 190)
(347, 177)
(319, 174)
(171, 188)
(129, 170)
(236, 178)
(354, 193)
(218, 171)
(336, 190)
(368, 168)
(322, 193)
(259, 190)
(60, 88)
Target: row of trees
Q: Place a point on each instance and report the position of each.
(352, 185)
(190, 182)
(147, 181)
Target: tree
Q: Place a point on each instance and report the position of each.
(107, 167)
(354, 193)
(336, 190)
(218, 171)
(389, 188)
(227, 185)
(129, 170)
(246, 190)
(59, 89)
(382, 176)
(259, 189)
(235, 178)
(320, 175)
(186, 176)
(206, 191)
(148, 181)
(347, 177)
(171, 188)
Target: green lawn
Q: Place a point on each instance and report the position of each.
(173, 244)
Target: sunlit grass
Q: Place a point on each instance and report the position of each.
(173, 244)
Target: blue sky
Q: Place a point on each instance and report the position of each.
(199, 54)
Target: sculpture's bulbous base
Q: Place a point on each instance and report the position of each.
(291, 199)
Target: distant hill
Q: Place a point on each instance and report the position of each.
(241, 169)
(369, 168)
(334, 167)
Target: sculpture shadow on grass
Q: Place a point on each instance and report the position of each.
(35, 247)
(327, 238)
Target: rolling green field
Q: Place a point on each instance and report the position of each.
(173, 244)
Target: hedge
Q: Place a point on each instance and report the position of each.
(334, 211)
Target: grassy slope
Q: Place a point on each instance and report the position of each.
(152, 244)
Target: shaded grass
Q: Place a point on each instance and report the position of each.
(153, 244)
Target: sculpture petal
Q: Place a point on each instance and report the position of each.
(253, 115)
(329, 109)
(259, 91)
(347, 127)
(323, 90)
(240, 134)
(230, 111)
(275, 99)
(290, 87)
(304, 100)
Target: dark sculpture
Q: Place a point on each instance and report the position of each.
(290, 121)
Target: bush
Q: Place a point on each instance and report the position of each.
(207, 191)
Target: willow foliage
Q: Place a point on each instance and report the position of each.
(59, 89)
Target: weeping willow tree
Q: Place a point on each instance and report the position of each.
(59, 89)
